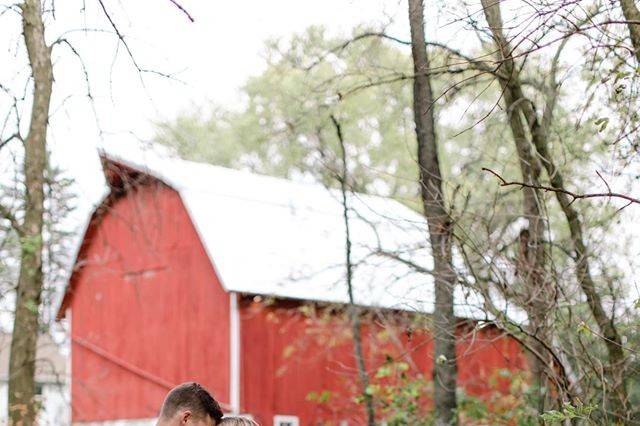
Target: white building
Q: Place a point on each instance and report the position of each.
(51, 381)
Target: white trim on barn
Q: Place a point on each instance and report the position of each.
(234, 353)
(279, 420)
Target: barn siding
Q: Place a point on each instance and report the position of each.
(148, 311)
(286, 356)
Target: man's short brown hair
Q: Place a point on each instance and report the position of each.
(237, 421)
(193, 397)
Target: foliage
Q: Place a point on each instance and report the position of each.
(284, 128)
(569, 412)
(401, 395)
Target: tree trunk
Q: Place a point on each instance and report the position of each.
(539, 296)
(631, 13)
(354, 312)
(25, 329)
(615, 368)
(614, 371)
(517, 102)
(444, 321)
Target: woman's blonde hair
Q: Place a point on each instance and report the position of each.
(237, 421)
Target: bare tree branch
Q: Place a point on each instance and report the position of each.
(573, 195)
(6, 213)
(16, 135)
(183, 10)
(354, 313)
(404, 261)
(126, 45)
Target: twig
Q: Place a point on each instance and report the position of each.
(9, 139)
(13, 220)
(127, 48)
(183, 10)
(573, 195)
(405, 261)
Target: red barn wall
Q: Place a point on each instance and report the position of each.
(286, 356)
(148, 310)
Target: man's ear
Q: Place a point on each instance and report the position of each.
(185, 416)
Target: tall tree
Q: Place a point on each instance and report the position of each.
(539, 295)
(632, 15)
(354, 311)
(522, 111)
(25, 329)
(25, 209)
(440, 224)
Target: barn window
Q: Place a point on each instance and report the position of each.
(286, 421)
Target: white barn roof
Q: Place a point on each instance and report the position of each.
(275, 237)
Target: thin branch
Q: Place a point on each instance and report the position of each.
(4, 142)
(405, 261)
(13, 220)
(353, 311)
(352, 40)
(117, 31)
(476, 62)
(126, 46)
(85, 73)
(183, 10)
(573, 195)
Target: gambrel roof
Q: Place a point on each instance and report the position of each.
(275, 237)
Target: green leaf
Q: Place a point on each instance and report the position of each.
(583, 329)
(602, 123)
(31, 305)
(553, 416)
(372, 390)
(383, 372)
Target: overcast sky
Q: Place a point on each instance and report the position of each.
(212, 57)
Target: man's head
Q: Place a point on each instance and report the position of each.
(189, 404)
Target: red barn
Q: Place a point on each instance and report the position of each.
(189, 271)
